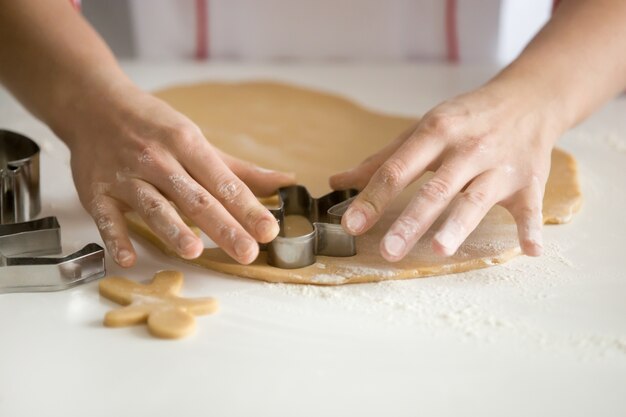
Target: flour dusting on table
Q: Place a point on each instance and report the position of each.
(474, 307)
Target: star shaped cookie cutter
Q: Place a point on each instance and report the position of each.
(327, 238)
(23, 267)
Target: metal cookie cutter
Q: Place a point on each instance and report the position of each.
(19, 178)
(23, 270)
(327, 238)
(23, 242)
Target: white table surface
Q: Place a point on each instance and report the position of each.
(533, 337)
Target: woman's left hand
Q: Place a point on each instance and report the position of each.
(490, 146)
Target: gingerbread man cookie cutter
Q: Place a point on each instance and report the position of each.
(328, 237)
(158, 304)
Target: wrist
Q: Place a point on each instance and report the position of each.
(529, 96)
(88, 103)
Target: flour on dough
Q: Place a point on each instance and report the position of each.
(317, 134)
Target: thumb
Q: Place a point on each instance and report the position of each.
(262, 182)
(360, 176)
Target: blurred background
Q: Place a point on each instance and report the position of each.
(492, 31)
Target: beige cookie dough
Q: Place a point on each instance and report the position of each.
(167, 315)
(315, 135)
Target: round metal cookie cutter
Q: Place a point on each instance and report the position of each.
(19, 178)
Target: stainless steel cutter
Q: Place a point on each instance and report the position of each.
(19, 178)
(24, 243)
(23, 267)
(327, 238)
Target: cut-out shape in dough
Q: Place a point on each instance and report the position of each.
(167, 315)
(315, 135)
(297, 225)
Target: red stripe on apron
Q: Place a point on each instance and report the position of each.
(452, 36)
(202, 29)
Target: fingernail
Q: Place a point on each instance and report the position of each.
(532, 244)
(447, 240)
(355, 221)
(243, 247)
(262, 170)
(124, 256)
(394, 245)
(448, 237)
(266, 227)
(538, 250)
(532, 247)
(187, 242)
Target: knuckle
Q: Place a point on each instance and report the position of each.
(199, 202)
(149, 203)
(407, 226)
(436, 190)
(185, 137)
(170, 230)
(102, 216)
(226, 234)
(392, 172)
(184, 132)
(195, 198)
(182, 185)
(254, 215)
(439, 123)
(124, 175)
(148, 154)
(97, 207)
(229, 189)
(372, 205)
(152, 158)
(112, 246)
(474, 145)
(104, 223)
(153, 208)
(98, 189)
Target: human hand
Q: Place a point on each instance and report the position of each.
(484, 147)
(131, 151)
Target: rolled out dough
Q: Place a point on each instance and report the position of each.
(316, 134)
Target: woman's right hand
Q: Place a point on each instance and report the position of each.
(132, 151)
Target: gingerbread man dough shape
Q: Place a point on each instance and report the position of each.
(157, 304)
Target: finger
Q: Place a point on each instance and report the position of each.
(160, 216)
(469, 208)
(211, 217)
(212, 174)
(427, 204)
(359, 176)
(409, 162)
(261, 181)
(111, 224)
(526, 208)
